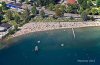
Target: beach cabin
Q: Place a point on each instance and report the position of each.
(4, 29)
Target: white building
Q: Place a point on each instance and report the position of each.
(4, 29)
(2, 32)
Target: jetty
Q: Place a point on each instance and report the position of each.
(73, 32)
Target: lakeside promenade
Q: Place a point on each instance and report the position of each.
(43, 26)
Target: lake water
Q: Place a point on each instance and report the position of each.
(84, 49)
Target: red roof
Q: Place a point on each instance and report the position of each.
(71, 1)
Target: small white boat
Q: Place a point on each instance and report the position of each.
(38, 41)
(36, 48)
(62, 45)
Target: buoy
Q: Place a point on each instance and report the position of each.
(38, 41)
(64, 30)
(62, 44)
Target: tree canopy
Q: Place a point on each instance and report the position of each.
(34, 10)
(1, 18)
(83, 3)
(42, 13)
(45, 2)
(98, 2)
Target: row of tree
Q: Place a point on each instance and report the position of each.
(98, 2)
(39, 2)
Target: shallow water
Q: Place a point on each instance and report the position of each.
(83, 50)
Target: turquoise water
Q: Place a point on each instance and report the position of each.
(83, 50)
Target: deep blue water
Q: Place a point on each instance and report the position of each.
(83, 50)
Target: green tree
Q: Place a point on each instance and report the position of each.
(80, 10)
(98, 2)
(1, 18)
(9, 15)
(27, 11)
(16, 27)
(80, 1)
(27, 1)
(45, 2)
(4, 7)
(17, 19)
(89, 2)
(21, 1)
(0, 9)
(84, 16)
(72, 8)
(63, 7)
(11, 32)
(26, 15)
(84, 4)
(34, 10)
(38, 2)
(42, 13)
(94, 11)
(58, 12)
(51, 6)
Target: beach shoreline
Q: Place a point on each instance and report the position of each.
(44, 26)
(33, 27)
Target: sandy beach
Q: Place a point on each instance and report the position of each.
(42, 26)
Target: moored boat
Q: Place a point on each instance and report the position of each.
(36, 48)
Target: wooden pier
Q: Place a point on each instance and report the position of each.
(73, 32)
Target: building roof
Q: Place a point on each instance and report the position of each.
(12, 5)
(6, 25)
(2, 28)
(71, 1)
